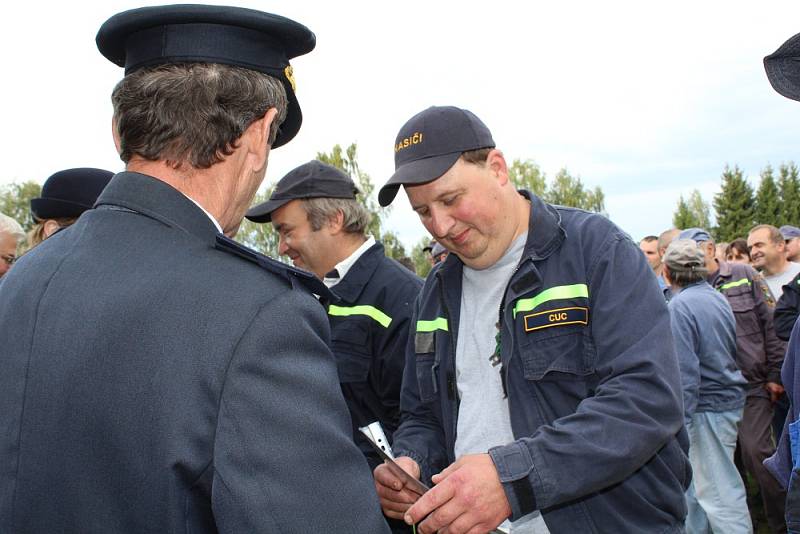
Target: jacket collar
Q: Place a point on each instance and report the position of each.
(156, 199)
(353, 283)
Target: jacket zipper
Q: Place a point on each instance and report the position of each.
(452, 389)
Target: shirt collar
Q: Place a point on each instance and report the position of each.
(343, 266)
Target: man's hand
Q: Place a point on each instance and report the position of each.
(395, 498)
(775, 391)
(468, 499)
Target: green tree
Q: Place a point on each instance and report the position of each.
(789, 186)
(260, 236)
(527, 175)
(768, 205)
(15, 201)
(420, 258)
(568, 190)
(734, 206)
(692, 213)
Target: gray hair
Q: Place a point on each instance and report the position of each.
(192, 112)
(10, 226)
(321, 210)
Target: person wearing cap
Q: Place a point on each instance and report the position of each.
(157, 375)
(713, 390)
(791, 235)
(322, 228)
(768, 255)
(759, 356)
(541, 383)
(784, 75)
(11, 237)
(65, 196)
(438, 253)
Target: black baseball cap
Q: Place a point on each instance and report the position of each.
(783, 68)
(310, 180)
(430, 143)
(69, 193)
(192, 33)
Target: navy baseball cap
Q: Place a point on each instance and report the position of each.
(69, 193)
(430, 143)
(191, 33)
(697, 235)
(783, 68)
(788, 231)
(310, 180)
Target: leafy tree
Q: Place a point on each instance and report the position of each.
(768, 205)
(693, 213)
(15, 201)
(734, 205)
(568, 190)
(392, 245)
(789, 186)
(420, 258)
(527, 175)
(260, 236)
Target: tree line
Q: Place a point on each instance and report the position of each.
(564, 189)
(739, 207)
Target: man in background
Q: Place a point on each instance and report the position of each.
(791, 235)
(11, 236)
(768, 255)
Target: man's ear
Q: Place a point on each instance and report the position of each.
(115, 135)
(255, 139)
(50, 227)
(336, 223)
(496, 163)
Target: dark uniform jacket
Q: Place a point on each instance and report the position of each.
(154, 381)
(369, 332)
(787, 309)
(759, 352)
(590, 371)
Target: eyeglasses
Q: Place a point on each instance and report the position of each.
(9, 260)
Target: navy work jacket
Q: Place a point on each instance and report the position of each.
(369, 330)
(591, 375)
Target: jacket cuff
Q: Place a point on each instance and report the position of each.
(424, 468)
(774, 377)
(514, 463)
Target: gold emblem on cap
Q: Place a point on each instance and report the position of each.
(289, 72)
(408, 141)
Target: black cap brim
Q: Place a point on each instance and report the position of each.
(262, 213)
(53, 208)
(416, 172)
(783, 68)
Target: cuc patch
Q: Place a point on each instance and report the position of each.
(557, 317)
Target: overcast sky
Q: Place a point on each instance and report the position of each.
(647, 100)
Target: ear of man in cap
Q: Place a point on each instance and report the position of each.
(430, 143)
(188, 33)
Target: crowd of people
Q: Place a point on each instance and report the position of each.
(547, 376)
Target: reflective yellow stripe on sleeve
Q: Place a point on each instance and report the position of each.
(552, 293)
(364, 309)
(440, 323)
(737, 283)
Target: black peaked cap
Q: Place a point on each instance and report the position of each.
(194, 33)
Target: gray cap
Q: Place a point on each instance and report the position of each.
(695, 234)
(788, 231)
(684, 255)
(783, 68)
(437, 249)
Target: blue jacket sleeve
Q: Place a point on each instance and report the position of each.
(636, 406)
(284, 458)
(685, 334)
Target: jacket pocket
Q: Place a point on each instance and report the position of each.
(744, 310)
(425, 364)
(567, 356)
(350, 348)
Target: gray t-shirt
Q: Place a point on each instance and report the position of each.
(777, 281)
(483, 417)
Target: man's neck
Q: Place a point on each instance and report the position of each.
(780, 268)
